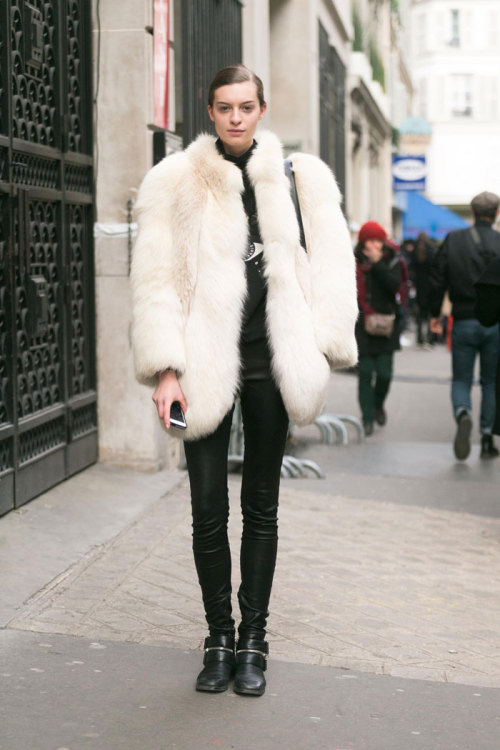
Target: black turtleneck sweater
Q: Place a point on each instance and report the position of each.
(255, 355)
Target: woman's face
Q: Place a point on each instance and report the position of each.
(235, 112)
(373, 246)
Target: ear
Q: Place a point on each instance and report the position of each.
(262, 111)
(210, 112)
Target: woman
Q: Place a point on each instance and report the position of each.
(488, 313)
(227, 303)
(378, 276)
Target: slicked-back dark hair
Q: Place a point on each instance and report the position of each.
(235, 74)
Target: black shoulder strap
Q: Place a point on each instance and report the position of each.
(476, 238)
(485, 255)
(295, 198)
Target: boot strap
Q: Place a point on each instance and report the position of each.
(219, 648)
(218, 654)
(252, 651)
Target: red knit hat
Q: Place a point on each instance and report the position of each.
(371, 231)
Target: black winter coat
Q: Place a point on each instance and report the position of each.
(421, 273)
(377, 287)
(458, 265)
(488, 313)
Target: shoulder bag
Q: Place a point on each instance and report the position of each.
(295, 198)
(378, 324)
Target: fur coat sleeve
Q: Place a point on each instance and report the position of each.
(331, 259)
(161, 281)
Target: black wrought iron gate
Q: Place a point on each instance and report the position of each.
(332, 92)
(48, 409)
(211, 39)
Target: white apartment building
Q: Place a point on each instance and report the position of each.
(455, 63)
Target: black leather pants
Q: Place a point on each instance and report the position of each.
(265, 425)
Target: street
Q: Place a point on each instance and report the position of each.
(384, 616)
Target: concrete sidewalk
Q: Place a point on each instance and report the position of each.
(66, 693)
(384, 617)
(370, 586)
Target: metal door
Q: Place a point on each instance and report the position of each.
(332, 92)
(211, 39)
(48, 405)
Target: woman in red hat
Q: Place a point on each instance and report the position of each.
(378, 276)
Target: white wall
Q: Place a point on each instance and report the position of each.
(256, 45)
(294, 40)
(129, 432)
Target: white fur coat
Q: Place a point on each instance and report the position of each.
(189, 284)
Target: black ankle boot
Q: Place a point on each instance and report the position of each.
(488, 447)
(219, 664)
(251, 663)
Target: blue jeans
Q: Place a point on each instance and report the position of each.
(470, 338)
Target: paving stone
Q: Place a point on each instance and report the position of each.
(376, 586)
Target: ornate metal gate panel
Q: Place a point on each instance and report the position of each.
(332, 88)
(48, 409)
(211, 39)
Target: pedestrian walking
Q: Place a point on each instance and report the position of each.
(422, 259)
(378, 276)
(459, 263)
(403, 293)
(227, 304)
(488, 314)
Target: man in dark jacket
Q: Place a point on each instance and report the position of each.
(459, 263)
(488, 313)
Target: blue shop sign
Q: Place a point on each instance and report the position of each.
(409, 173)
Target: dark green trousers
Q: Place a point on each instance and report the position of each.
(375, 373)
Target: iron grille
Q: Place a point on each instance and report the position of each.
(47, 362)
(211, 39)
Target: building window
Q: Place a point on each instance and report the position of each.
(420, 40)
(462, 96)
(332, 93)
(493, 28)
(455, 29)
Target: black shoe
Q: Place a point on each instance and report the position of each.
(461, 446)
(251, 663)
(219, 664)
(380, 416)
(488, 447)
(368, 426)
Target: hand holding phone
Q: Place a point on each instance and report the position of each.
(166, 393)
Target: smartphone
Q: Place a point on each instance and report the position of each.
(177, 417)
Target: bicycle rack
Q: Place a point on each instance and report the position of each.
(333, 425)
(291, 467)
